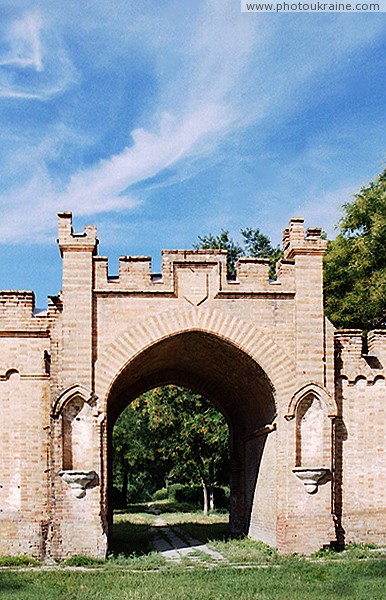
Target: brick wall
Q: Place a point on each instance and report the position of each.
(260, 349)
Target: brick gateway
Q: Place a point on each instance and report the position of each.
(305, 406)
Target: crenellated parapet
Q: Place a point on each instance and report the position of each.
(352, 363)
(135, 274)
(17, 304)
(303, 252)
(296, 242)
(18, 313)
(70, 241)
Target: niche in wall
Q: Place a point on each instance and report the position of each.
(313, 432)
(76, 433)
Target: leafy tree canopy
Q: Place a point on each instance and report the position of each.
(170, 434)
(254, 244)
(355, 262)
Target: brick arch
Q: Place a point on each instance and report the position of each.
(69, 394)
(243, 334)
(316, 390)
(12, 373)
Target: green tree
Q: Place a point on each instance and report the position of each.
(194, 437)
(254, 244)
(171, 434)
(222, 241)
(355, 262)
(137, 467)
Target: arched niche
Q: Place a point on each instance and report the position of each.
(76, 433)
(313, 432)
(313, 410)
(74, 411)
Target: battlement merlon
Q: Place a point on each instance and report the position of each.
(296, 242)
(18, 313)
(349, 345)
(75, 242)
(17, 302)
(352, 362)
(135, 274)
(376, 343)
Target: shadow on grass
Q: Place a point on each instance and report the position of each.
(8, 583)
(130, 539)
(206, 532)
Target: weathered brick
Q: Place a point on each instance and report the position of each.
(294, 391)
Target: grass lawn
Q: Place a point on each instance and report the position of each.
(251, 570)
(293, 580)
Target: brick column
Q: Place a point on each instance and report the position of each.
(77, 251)
(307, 251)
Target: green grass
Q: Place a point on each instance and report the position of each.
(359, 551)
(252, 570)
(80, 560)
(245, 551)
(293, 580)
(132, 535)
(212, 527)
(18, 561)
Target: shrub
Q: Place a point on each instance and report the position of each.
(161, 494)
(18, 561)
(191, 494)
(173, 489)
(81, 560)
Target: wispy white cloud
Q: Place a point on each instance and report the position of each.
(215, 73)
(25, 43)
(103, 187)
(33, 64)
(191, 125)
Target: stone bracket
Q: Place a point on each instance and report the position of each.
(312, 477)
(79, 481)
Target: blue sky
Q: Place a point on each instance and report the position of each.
(161, 121)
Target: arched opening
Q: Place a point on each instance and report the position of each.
(230, 379)
(171, 445)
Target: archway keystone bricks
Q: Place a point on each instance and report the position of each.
(305, 406)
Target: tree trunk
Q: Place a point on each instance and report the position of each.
(211, 485)
(125, 482)
(211, 498)
(206, 496)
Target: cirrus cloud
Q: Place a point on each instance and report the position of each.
(34, 64)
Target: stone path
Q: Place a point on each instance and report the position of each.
(174, 548)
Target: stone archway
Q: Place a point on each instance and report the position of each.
(221, 358)
(243, 335)
(261, 350)
(228, 377)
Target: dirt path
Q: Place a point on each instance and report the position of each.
(174, 548)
